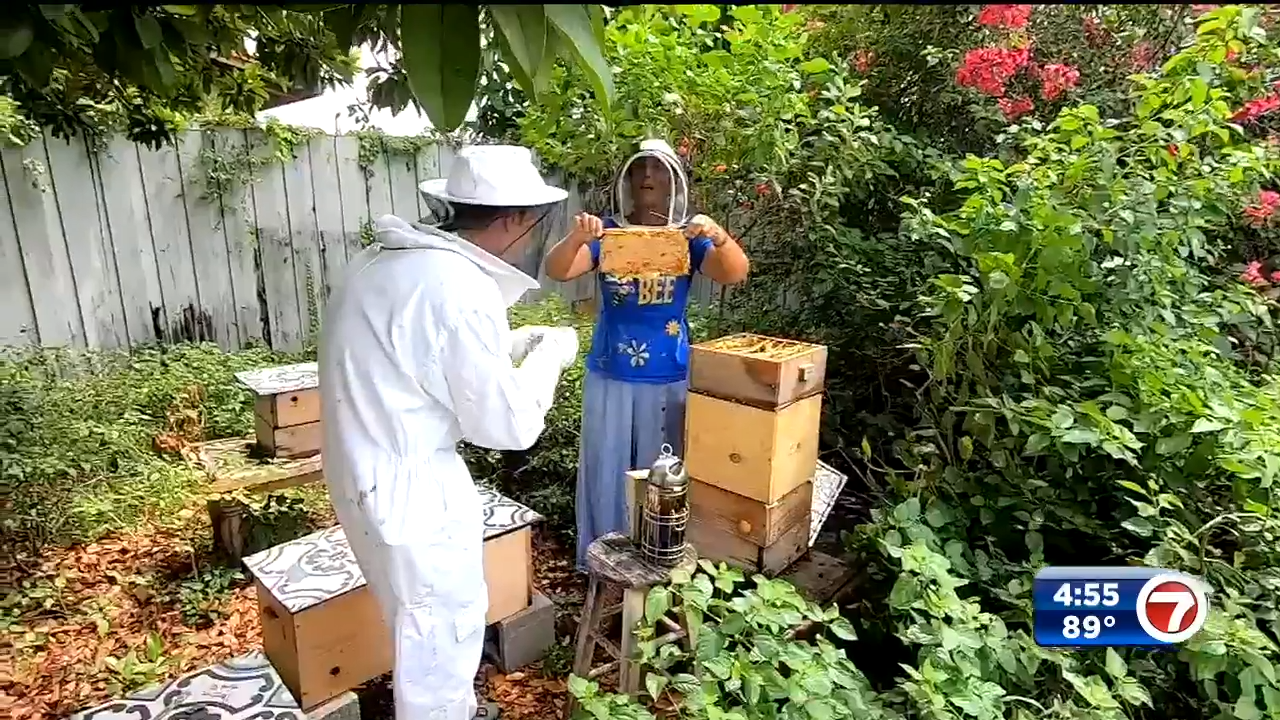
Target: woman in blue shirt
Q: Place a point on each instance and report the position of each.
(633, 398)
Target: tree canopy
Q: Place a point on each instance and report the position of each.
(147, 70)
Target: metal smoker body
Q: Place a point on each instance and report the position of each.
(666, 511)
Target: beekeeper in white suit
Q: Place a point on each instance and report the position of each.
(416, 355)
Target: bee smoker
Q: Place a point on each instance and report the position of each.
(666, 511)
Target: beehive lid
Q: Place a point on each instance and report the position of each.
(318, 567)
(281, 379)
(827, 484)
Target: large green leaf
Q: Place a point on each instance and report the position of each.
(522, 33)
(15, 39)
(574, 25)
(440, 46)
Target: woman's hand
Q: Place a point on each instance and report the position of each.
(703, 225)
(586, 227)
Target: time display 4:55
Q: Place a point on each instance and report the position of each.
(1088, 594)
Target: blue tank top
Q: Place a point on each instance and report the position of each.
(642, 334)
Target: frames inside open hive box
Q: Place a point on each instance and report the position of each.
(757, 370)
(644, 252)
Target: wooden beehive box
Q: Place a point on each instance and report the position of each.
(760, 454)
(761, 524)
(715, 543)
(322, 627)
(286, 405)
(757, 370)
(644, 252)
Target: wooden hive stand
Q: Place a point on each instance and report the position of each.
(232, 468)
(751, 429)
(323, 629)
(613, 560)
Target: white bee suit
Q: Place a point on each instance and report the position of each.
(417, 355)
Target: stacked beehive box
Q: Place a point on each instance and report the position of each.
(751, 448)
(286, 409)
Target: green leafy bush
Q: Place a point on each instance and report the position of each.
(76, 433)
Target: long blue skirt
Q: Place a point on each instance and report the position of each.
(623, 428)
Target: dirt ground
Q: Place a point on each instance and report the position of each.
(94, 621)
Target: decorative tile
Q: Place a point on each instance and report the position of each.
(305, 572)
(827, 484)
(242, 688)
(281, 379)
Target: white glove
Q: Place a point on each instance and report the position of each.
(524, 339)
(562, 343)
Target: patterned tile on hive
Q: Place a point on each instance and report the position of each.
(314, 568)
(242, 688)
(280, 379)
(827, 484)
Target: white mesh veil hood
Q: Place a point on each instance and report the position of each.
(677, 209)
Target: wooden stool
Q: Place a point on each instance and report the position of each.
(615, 560)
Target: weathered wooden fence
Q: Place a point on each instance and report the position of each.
(123, 245)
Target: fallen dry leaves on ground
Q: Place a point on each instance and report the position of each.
(105, 599)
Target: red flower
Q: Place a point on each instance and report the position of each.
(862, 61)
(789, 8)
(1202, 9)
(1173, 149)
(745, 204)
(1005, 16)
(1268, 201)
(720, 168)
(762, 189)
(1256, 108)
(1232, 54)
(1275, 277)
(988, 69)
(1016, 107)
(1056, 79)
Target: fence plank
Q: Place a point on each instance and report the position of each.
(235, 207)
(355, 197)
(96, 293)
(166, 207)
(210, 256)
(44, 252)
(378, 185)
(403, 174)
(18, 322)
(428, 167)
(125, 211)
(327, 190)
(304, 238)
(277, 285)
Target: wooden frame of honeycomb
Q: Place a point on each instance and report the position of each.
(759, 346)
(644, 252)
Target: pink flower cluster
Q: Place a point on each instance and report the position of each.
(988, 69)
(1095, 34)
(1012, 17)
(1056, 79)
(1253, 275)
(1142, 56)
(1014, 108)
(1259, 214)
(862, 60)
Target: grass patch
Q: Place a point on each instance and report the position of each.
(76, 440)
